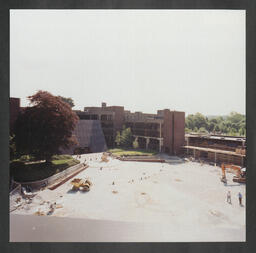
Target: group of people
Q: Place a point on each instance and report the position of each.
(240, 196)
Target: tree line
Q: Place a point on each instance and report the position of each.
(124, 139)
(233, 124)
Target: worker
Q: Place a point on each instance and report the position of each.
(229, 197)
(243, 172)
(240, 198)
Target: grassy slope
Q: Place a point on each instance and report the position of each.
(23, 172)
(131, 152)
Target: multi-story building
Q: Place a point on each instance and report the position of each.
(111, 118)
(163, 131)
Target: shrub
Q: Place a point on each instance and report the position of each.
(135, 144)
(61, 157)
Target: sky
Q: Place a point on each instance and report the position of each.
(144, 60)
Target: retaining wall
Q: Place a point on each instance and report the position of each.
(50, 180)
(16, 188)
(13, 196)
(141, 160)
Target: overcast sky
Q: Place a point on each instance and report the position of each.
(144, 60)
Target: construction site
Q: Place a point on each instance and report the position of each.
(129, 125)
(185, 199)
(192, 189)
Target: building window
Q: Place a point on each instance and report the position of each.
(94, 116)
(104, 117)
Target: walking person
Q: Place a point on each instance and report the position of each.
(240, 198)
(229, 197)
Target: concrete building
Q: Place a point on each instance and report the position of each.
(163, 131)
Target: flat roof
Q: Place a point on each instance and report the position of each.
(214, 150)
(217, 137)
(146, 120)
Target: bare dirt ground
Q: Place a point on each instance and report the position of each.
(187, 196)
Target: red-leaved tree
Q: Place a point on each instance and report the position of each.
(45, 126)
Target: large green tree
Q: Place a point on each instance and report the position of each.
(118, 139)
(190, 124)
(135, 144)
(195, 122)
(126, 138)
(45, 126)
(200, 120)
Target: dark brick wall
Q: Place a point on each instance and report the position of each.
(179, 131)
(14, 111)
(118, 118)
(167, 131)
(173, 131)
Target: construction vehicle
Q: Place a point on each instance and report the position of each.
(241, 177)
(81, 184)
(240, 173)
(104, 158)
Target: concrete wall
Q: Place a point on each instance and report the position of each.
(89, 134)
(50, 180)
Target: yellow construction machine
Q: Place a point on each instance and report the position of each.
(81, 184)
(240, 173)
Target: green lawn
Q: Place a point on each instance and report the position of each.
(25, 172)
(131, 152)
